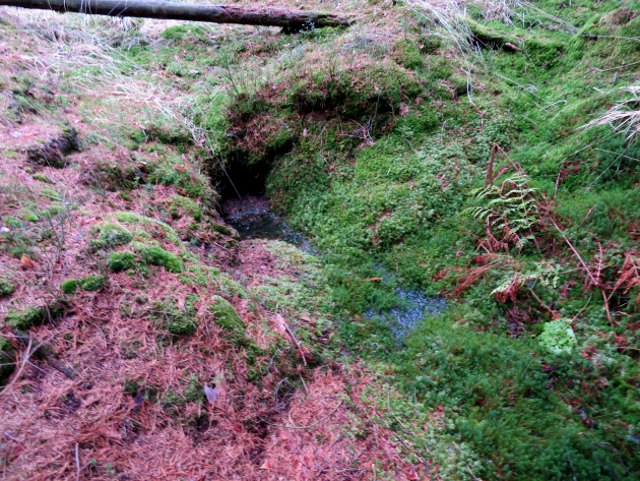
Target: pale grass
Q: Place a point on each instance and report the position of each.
(624, 116)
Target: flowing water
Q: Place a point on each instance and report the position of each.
(253, 218)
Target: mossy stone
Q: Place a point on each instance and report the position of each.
(121, 261)
(6, 288)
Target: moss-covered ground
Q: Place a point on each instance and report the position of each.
(467, 170)
(425, 147)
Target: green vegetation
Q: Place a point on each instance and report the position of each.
(305, 290)
(157, 256)
(226, 316)
(462, 166)
(42, 178)
(89, 283)
(180, 206)
(93, 283)
(112, 176)
(558, 336)
(121, 261)
(69, 286)
(179, 321)
(173, 170)
(110, 235)
(480, 155)
(6, 288)
(28, 317)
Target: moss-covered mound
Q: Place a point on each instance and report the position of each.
(28, 317)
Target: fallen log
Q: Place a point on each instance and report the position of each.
(290, 20)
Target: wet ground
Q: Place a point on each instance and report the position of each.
(253, 218)
(414, 307)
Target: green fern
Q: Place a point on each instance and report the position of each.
(509, 210)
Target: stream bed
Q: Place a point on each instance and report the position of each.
(253, 218)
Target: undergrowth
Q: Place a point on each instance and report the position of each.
(480, 152)
(466, 169)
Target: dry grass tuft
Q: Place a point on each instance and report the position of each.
(623, 117)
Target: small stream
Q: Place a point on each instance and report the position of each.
(253, 218)
(413, 307)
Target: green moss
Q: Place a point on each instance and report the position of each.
(131, 387)
(69, 286)
(166, 231)
(29, 215)
(157, 256)
(171, 169)
(303, 292)
(121, 261)
(89, 283)
(369, 95)
(111, 235)
(224, 230)
(93, 282)
(34, 316)
(112, 176)
(26, 318)
(50, 194)
(7, 360)
(180, 206)
(200, 275)
(234, 327)
(226, 316)
(129, 217)
(194, 390)
(12, 222)
(6, 288)
(178, 321)
(407, 53)
(171, 401)
(42, 178)
(181, 33)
